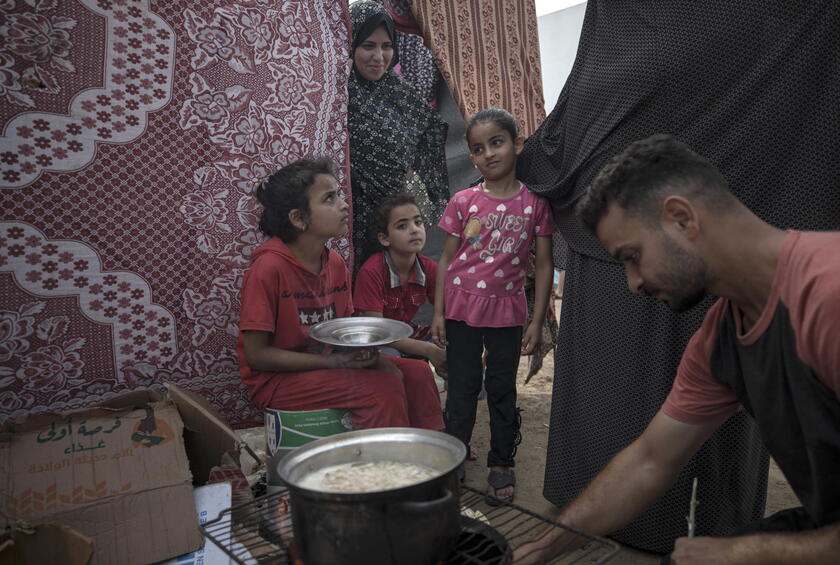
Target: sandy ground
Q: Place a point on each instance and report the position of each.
(535, 402)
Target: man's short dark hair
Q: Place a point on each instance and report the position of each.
(638, 178)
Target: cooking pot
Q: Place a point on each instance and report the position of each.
(413, 525)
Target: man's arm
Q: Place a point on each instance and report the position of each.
(628, 485)
(638, 475)
(815, 547)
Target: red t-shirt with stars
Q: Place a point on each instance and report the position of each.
(284, 298)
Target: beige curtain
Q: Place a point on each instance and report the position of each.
(488, 53)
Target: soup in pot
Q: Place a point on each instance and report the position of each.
(368, 476)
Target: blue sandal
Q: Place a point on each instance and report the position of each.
(499, 480)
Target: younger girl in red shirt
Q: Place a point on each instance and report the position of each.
(294, 282)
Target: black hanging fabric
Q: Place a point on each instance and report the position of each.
(755, 87)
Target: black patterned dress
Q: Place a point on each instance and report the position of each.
(755, 87)
(396, 139)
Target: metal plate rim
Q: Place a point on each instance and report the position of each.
(396, 330)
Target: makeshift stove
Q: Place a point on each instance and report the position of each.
(261, 532)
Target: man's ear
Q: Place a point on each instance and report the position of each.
(384, 240)
(298, 219)
(678, 213)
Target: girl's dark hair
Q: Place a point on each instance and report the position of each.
(382, 216)
(287, 190)
(501, 118)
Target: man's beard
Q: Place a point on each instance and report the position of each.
(686, 279)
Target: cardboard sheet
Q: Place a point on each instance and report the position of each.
(117, 473)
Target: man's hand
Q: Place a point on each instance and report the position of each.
(532, 338)
(810, 547)
(551, 543)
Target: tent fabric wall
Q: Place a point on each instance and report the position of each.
(133, 137)
(488, 54)
(754, 87)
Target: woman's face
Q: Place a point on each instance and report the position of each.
(373, 55)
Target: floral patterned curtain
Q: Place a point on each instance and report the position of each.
(134, 134)
(488, 53)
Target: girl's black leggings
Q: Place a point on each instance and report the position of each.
(465, 346)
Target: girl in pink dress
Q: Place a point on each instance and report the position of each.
(480, 299)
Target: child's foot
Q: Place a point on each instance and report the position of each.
(501, 482)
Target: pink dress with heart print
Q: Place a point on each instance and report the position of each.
(484, 284)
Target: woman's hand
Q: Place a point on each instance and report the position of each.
(437, 356)
(532, 338)
(438, 330)
(355, 358)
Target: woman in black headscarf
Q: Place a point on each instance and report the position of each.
(396, 138)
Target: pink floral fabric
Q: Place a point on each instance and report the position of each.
(134, 134)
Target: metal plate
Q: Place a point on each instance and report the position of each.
(360, 331)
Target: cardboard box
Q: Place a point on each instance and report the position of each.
(45, 543)
(207, 435)
(117, 473)
(210, 501)
(213, 449)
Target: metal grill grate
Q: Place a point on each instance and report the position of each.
(260, 532)
(256, 532)
(517, 526)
